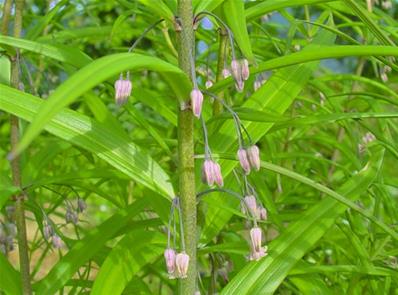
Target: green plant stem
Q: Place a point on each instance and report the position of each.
(6, 17)
(186, 149)
(16, 168)
(217, 106)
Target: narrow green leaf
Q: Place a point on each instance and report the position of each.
(10, 279)
(38, 28)
(95, 73)
(158, 7)
(96, 137)
(134, 251)
(264, 7)
(207, 5)
(70, 55)
(236, 21)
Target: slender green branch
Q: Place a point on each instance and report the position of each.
(15, 165)
(186, 41)
(222, 52)
(6, 17)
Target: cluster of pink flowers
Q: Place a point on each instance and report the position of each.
(211, 173)
(177, 264)
(249, 158)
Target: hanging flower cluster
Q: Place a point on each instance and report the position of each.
(8, 231)
(176, 263)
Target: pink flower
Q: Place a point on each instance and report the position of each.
(243, 160)
(57, 242)
(196, 102)
(170, 257)
(122, 90)
(211, 173)
(263, 214)
(226, 73)
(182, 263)
(255, 237)
(217, 174)
(253, 154)
(236, 70)
(207, 172)
(208, 84)
(251, 204)
(245, 69)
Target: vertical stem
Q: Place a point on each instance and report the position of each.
(217, 106)
(186, 149)
(6, 17)
(15, 165)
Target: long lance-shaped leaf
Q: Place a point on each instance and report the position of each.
(10, 279)
(95, 73)
(264, 7)
(94, 136)
(264, 276)
(134, 251)
(276, 95)
(313, 53)
(85, 249)
(208, 5)
(67, 54)
(234, 15)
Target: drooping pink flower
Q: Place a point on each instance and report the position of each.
(208, 84)
(255, 237)
(182, 263)
(253, 154)
(263, 215)
(236, 70)
(217, 174)
(245, 72)
(196, 102)
(122, 90)
(57, 242)
(251, 204)
(226, 73)
(207, 172)
(170, 258)
(243, 160)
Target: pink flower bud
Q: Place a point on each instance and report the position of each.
(207, 172)
(81, 205)
(245, 69)
(236, 70)
(244, 161)
(263, 214)
(208, 84)
(196, 102)
(170, 257)
(253, 154)
(57, 242)
(226, 73)
(255, 236)
(122, 90)
(71, 217)
(182, 262)
(217, 174)
(251, 204)
(257, 85)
